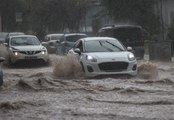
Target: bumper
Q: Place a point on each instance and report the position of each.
(14, 58)
(93, 69)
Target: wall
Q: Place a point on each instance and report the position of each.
(167, 12)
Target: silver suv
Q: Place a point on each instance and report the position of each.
(26, 47)
(50, 42)
(67, 42)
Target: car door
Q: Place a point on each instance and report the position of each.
(78, 44)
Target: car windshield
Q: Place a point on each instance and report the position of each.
(103, 46)
(24, 41)
(74, 38)
(56, 37)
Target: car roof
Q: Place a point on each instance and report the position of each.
(15, 33)
(120, 26)
(55, 34)
(97, 38)
(72, 34)
(22, 36)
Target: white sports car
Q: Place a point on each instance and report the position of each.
(104, 56)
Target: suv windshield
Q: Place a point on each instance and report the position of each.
(127, 34)
(24, 41)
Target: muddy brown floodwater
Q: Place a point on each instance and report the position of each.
(35, 94)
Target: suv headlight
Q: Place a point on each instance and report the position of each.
(91, 59)
(16, 53)
(43, 52)
(131, 56)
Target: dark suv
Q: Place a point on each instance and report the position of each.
(129, 35)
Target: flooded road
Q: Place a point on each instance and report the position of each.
(36, 94)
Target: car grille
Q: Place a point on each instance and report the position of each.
(113, 66)
(29, 52)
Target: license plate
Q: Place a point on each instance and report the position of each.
(30, 57)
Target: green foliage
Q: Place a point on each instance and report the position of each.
(8, 9)
(134, 11)
(57, 15)
(41, 16)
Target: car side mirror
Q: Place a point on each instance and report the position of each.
(77, 50)
(5, 44)
(129, 49)
(43, 43)
(58, 41)
(2, 59)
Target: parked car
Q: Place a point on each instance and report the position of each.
(50, 41)
(2, 37)
(67, 41)
(26, 47)
(129, 35)
(1, 73)
(104, 56)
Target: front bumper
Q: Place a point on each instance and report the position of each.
(21, 56)
(93, 69)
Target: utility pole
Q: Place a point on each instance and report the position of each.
(162, 21)
(0, 23)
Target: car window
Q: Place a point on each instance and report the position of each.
(56, 37)
(74, 38)
(21, 41)
(103, 46)
(80, 46)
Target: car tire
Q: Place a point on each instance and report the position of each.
(83, 69)
(1, 78)
(10, 62)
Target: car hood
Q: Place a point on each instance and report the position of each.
(110, 55)
(28, 48)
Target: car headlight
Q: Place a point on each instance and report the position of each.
(43, 52)
(131, 57)
(91, 59)
(16, 53)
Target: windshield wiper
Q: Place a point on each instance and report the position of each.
(105, 47)
(115, 46)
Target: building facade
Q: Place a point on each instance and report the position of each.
(0, 24)
(167, 9)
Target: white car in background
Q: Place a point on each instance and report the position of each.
(51, 41)
(26, 47)
(67, 42)
(104, 56)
